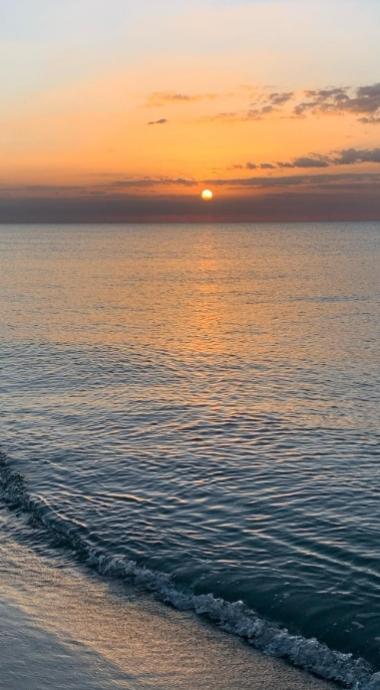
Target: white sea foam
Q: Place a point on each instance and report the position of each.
(236, 618)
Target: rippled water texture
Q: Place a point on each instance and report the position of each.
(204, 400)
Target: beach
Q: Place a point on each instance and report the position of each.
(64, 628)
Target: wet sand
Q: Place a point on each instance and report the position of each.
(64, 628)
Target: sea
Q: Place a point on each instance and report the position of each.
(190, 455)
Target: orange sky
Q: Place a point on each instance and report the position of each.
(231, 95)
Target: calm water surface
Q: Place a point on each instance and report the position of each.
(204, 401)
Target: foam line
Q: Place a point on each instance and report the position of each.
(236, 618)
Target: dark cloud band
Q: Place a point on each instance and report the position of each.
(347, 196)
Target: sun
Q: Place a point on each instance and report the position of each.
(207, 195)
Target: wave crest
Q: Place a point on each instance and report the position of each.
(236, 618)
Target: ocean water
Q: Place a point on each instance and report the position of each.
(194, 410)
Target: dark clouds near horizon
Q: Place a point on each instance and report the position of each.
(304, 197)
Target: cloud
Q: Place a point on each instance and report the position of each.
(344, 181)
(270, 103)
(286, 198)
(161, 121)
(153, 186)
(363, 101)
(353, 156)
(231, 116)
(259, 113)
(370, 120)
(350, 156)
(301, 162)
(322, 100)
(309, 162)
(280, 98)
(159, 98)
(148, 182)
(103, 189)
(314, 161)
(267, 104)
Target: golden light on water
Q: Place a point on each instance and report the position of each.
(207, 195)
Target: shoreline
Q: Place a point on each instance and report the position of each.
(77, 630)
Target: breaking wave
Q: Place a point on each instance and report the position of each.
(236, 618)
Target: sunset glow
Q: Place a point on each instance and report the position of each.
(146, 106)
(189, 292)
